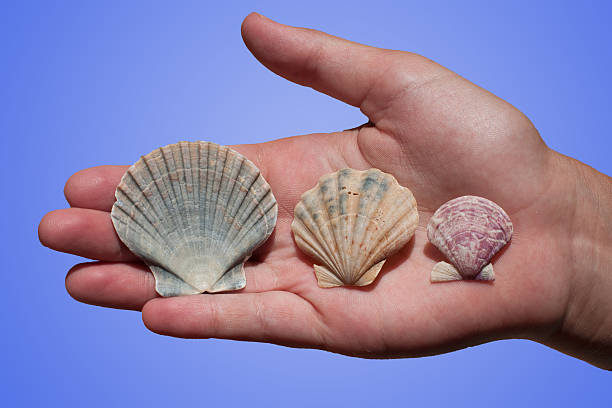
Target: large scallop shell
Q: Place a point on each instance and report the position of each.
(350, 222)
(469, 230)
(194, 212)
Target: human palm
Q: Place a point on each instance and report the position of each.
(438, 134)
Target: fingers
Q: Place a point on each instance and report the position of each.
(117, 285)
(83, 232)
(275, 317)
(131, 285)
(342, 69)
(94, 187)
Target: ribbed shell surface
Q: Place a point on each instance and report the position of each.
(469, 231)
(350, 222)
(194, 212)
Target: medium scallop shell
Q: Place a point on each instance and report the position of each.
(469, 230)
(350, 222)
(194, 212)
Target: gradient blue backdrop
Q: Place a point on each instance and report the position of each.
(90, 83)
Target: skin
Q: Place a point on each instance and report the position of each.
(441, 136)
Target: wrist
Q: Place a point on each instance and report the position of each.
(586, 326)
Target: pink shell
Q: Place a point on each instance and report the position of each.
(469, 230)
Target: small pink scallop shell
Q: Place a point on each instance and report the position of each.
(469, 231)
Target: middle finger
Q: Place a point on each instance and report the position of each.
(83, 232)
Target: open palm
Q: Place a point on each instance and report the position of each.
(438, 134)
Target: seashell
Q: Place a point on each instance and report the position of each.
(194, 212)
(469, 231)
(350, 222)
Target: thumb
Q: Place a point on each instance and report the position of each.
(362, 76)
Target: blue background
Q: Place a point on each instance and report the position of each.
(90, 83)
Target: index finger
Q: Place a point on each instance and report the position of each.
(95, 187)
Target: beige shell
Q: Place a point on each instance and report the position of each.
(194, 212)
(350, 222)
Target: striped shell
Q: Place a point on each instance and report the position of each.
(469, 231)
(350, 222)
(194, 212)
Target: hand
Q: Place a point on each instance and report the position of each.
(439, 135)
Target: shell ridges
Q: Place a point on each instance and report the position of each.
(469, 231)
(194, 212)
(350, 222)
